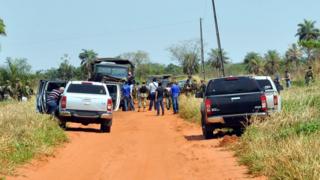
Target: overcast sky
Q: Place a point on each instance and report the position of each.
(42, 31)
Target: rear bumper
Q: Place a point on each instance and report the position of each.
(222, 119)
(85, 114)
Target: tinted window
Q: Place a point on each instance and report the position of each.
(119, 72)
(232, 86)
(265, 84)
(86, 89)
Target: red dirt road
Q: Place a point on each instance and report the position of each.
(141, 146)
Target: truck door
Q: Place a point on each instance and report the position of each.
(45, 87)
(40, 105)
(114, 91)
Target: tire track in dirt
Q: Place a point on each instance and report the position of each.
(140, 146)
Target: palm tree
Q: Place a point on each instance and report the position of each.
(293, 55)
(214, 58)
(2, 28)
(190, 64)
(273, 60)
(87, 59)
(254, 63)
(307, 31)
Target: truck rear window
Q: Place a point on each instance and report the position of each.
(265, 84)
(86, 89)
(232, 86)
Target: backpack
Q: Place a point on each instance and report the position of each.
(143, 89)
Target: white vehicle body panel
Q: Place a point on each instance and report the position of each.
(85, 101)
(270, 93)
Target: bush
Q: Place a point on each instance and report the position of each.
(24, 134)
(190, 108)
(285, 146)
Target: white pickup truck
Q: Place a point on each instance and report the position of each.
(86, 102)
(272, 95)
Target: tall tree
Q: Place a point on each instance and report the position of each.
(16, 69)
(254, 63)
(307, 33)
(140, 59)
(214, 58)
(273, 60)
(66, 71)
(87, 58)
(187, 54)
(2, 28)
(307, 30)
(293, 56)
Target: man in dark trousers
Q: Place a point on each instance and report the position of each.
(152, 90)
(175, 93)
(159, 98)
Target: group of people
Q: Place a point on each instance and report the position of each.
(155, 92)
(18, 91)
(309, 77)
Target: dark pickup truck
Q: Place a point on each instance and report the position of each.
(230, 102)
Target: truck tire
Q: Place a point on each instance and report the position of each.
(207, 129)
(105, 126)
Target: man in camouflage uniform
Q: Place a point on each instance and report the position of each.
(309, 76)
(19, 91)
(7, 91)
(203, 87)
(188, 86)
(1, 93)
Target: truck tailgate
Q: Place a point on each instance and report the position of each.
(235, 104)
(86, 102)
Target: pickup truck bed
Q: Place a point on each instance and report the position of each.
(230, 101)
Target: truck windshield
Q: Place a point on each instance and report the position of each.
(265, 84)
(86, 89)
(118, 72)
(232, 86)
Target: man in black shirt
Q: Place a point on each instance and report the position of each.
(159, 98)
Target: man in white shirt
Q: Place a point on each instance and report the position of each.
(152, 89)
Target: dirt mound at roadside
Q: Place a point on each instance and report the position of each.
(228, 140)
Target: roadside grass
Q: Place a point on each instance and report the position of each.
(286, 145)
(190, 109)
(25, 134)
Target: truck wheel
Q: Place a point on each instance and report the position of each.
(105, 127)
(207, 129)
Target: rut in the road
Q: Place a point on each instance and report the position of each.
(140, 146)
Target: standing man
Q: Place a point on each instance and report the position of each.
(188, 86)
(159, 99)
(203, 87)
(143, 96)
(309, 76)
(175, 92)
(152, 89)
(287, 78)
(126, 95)
(131, 100)
(53, 100)
(7, 91)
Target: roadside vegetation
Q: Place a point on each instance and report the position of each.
(286, 145)
(190, 109)
(25, 134)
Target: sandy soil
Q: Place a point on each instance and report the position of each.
(141, 146)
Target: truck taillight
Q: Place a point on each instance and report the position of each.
(208, 107)
(109, 105)
(263, 99)
(275, 100)
(64, 102)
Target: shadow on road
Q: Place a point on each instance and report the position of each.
(194, 138)
(92, 130)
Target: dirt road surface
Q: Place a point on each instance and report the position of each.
(141, 146)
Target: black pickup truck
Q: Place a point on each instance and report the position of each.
(230, 102)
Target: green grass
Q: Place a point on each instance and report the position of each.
(190, 109)
(286, 145)
(25, 134)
